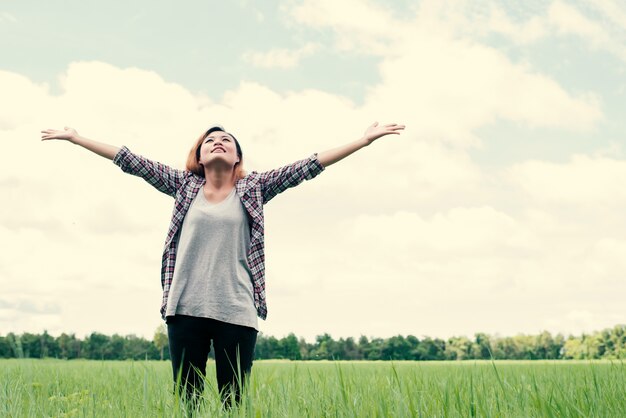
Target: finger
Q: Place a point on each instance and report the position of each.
(49, 136)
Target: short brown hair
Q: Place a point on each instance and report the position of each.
(193, 158)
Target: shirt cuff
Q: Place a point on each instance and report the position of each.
(316, 167)
(119, 157)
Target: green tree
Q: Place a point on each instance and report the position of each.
(574, 349)
(15, 342)
(160, 339)
(618, 338)
(138, 348)
(432, 349)
(414, 344)
(95, 345)
(69, 346)
(31, 345)
(364, 346)
(5, 348)
(266, 347)
(396, 348)
(525, 347)
(289, 347)
(458, 348)
(323, 347)
(305, 349)
(374, 350)
(547, 347)
(49, 345)
(505, 348)
(481, 349)
(114, 348)
(351, 349)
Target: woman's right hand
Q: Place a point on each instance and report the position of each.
(68, 134)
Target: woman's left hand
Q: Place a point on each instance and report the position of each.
(375, 131)
(371, 134)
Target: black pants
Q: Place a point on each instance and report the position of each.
(190, 342)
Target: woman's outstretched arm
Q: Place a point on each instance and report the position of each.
(276, 181)
(371, 134)
(70, 135)
(163, 178)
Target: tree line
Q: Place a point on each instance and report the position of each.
(609, 343)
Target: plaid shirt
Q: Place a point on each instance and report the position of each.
(254, 190)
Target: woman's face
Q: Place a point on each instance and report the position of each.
(218, 147)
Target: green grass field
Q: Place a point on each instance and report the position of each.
(57, 388)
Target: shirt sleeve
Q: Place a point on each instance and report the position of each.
(165, 179)
(277, 181)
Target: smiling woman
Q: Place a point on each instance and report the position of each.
(213, 265)
(217, 136)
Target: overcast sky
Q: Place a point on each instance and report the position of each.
(501, 208)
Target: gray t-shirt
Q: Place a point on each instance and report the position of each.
(212, 278)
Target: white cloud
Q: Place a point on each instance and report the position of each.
(27, 100)
(452, 87)
(569, 20)
(460, 230)
(611, 11)
(525, 32)
(7, 17)
(599, 23)
(449, 85)
(251, 7)
(408, 273)
(584, 180)
(280, 57)
(357, 24)
(575, 320)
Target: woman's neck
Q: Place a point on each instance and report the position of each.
(218, 179)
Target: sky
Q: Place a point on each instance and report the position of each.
(499, 209)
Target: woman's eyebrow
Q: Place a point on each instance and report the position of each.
(213, 137)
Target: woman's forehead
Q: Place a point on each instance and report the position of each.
(219, 134)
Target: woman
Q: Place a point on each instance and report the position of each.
(213, 268)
